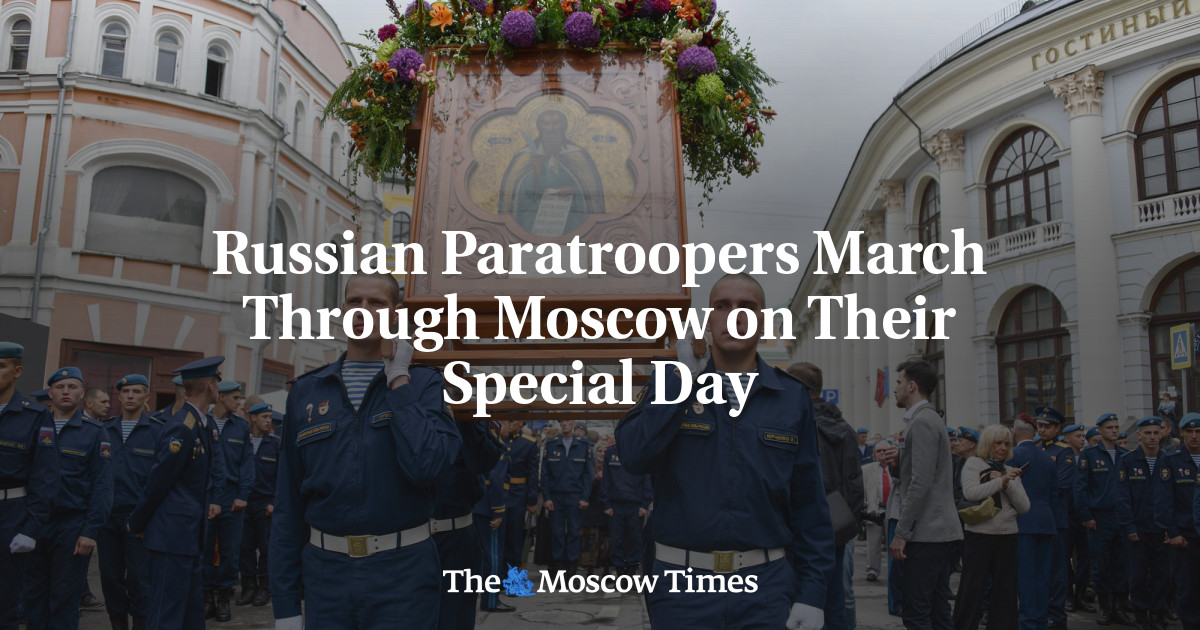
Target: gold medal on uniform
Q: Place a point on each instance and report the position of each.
(697, 408)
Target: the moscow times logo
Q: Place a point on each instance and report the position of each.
(519, 584)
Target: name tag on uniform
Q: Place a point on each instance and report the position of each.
(313, 432)
(20, 446)
(778, 438)
(233, 441)
(73, 452)
(268, 459)
(381, 417)
(695, 428)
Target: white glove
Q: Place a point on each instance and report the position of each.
(291, 623)
(687, 355)
(802, 617)
(21, 544)
(396, 365)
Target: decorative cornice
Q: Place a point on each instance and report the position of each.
(873, 224)
(948, 147)
(1080, 91)
(891, 191)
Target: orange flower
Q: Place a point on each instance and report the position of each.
(521, 7)
(380, 66)
(440, 15)
(688, 11)
(568, 6)
(389, 76)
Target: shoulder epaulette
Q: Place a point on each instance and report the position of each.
(790, 377)
(316, 369)
(530, 438)
(94, 422)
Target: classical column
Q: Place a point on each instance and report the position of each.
(1100, 388)
(844, 348)
(892, 192)
(877, 300)
(962, 380)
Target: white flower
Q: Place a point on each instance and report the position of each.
(686, 38)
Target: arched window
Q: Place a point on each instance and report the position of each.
(297, 124)
(128, 201)
(401, 223)
(1023, 183)
(930, 219)
(280, 99)
(112, 50)
(19, 33)
(333, 294)
(1168, 139)
(279, 234)
(214, 74)
(1177, 301)
(935, 354)
(1035, 355)
(335, 148)
(168, 57)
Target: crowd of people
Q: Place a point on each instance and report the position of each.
(364, 500)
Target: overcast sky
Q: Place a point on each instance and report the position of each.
(838, 64)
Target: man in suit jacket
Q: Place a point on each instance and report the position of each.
(1035, 546)
(877, 485)
(928, 529)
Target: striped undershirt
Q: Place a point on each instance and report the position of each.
(730, 394)
(1113, 454)
(255, 442)
(1151, 461)
(221, 424)
(357, 376)
(59, 424)
(127, 428)
(1195, 458)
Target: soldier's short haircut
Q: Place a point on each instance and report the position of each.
(1021, 427)
(921, 373)
(393, 285)
(808, 374)
(193, 387)
(93, 393)
(742, 277)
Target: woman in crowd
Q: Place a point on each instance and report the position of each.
(990, 546)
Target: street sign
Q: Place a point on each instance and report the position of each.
(830, 395)
(1182, 346)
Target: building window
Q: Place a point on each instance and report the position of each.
(112, 52)
(1035, 355)
(930, 218)
(279, 234)
(214, 76)
(128, 201)
(19, 48)
(297, 123)
(1023, 183)
(935, 354)
(401, 223)
(335, 146)
(168, 57)
(1168, 139)
(1177, 301)
(333, 294)
(280, 99)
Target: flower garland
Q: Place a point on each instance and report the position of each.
(718, 81)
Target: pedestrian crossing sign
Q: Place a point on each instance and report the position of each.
(1181, 346)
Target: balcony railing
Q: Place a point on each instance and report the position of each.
(1177, 208)
(1026, 241)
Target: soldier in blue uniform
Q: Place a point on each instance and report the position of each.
(1095, 500)
(133, 435)
(625, 499)
(1143, 505)
(736, 496)
(364, 441)
(453, 526)
(1049, 423)
(1035, 544)
(566, 480)
(1182, 531)
(489, 513)
(1079, 569)
(57, 568)
(223, 535)
(522, 453)
(866, 452)
(173, 408)
(28, 479)
(170, 514)
(256, 533)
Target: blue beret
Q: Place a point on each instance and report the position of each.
(178, 381)
(1071, 428)
(41, 395)
(970, 434)
(258, 408)
(1190, 421)
(1106, 417)
(10, 350)
(1123, 436)
(228, 386)
(200, 368)
(1048, 415)
(132, 379)
(951, 432)
(1150, 421)
(1092, 432)
(276, 417)
(862, 430)
(63, 373)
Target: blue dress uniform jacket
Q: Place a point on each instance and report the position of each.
(619, 486)
(1143, 496)
(349, 473)
(266, 468)
(1041, 484)
(724, 483)
(86, 477)
(1183, 472)
(238, 456)
(132, 458)
(1064, 468)
(522, 455)
(1095, 485)
(462, 485)
(567, 476)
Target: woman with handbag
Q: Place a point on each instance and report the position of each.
(990, 534)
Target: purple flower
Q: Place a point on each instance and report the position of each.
(712, 12)
(519, 28)
(580, 30)
(696, 61)
(387, 32)
(478, 6)
(654, 8)
(412, 8)
(406, 62)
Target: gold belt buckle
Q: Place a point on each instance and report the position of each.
(358, 546)
(723, 561)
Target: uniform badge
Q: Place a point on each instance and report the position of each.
(1070, 460)
(1187, 472)
(189, 421)
(697, 408)
(106, 450)
(323, 408)
(46, 436)
(175, 446)
(308, 408)
(1166, 474)
(1121, 475)
(1083, 463)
